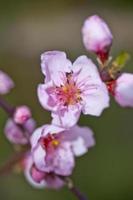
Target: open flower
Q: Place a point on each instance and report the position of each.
(122, 89)
(40, 179)
(54, 149)
(6, 83)
(18, 135)
(70, 89)
(97, 36)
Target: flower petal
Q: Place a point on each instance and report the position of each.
(27, 173)
(36, 136)
(81, 139)
(39, 155)
(54, 64)
(63, 161)
(46, 96)
(67, 117)
(52, 129)
(124, 90)
(86, 71)
(96, 100)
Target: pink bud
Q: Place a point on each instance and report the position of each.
(97, 36)
(22, 114)
(15, 134)
(39, 179)
(124, 90)
(6, 83)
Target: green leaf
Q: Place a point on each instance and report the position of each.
(121, 59)
(118, 64)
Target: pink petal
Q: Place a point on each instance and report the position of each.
(81, 138)
(54, 65)
(36, 136)
(52, 129)
(86, 71)
(96, 100)
(46, 98)
(124, 90)
(39, 155)
(63, 162)
(67, 117)
(27, 173)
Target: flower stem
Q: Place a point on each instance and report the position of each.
(74, 190)
(78, 194)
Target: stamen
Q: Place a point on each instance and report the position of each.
(49, 141)
(68, 94)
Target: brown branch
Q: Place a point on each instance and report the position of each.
(8, 166)
(6, 107)
(78, 194)
(73, 188)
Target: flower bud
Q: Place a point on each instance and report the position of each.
(97, 36)
(6, 83)
(39, 179)
(124, 90)
(16, 135)
(22, 114)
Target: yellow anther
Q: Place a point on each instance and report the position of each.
(55, 143)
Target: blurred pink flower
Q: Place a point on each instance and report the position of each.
(6, 83)
(54, 149)
(124, 90)
(70, 89)
(97, 36)
(15, 134)
(40, 179)
(22, 114)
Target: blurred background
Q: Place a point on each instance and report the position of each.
(30, 27)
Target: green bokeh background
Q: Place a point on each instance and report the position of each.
(27, 28)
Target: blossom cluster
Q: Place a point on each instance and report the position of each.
(67, 90)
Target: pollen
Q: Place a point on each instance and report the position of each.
(55, 142)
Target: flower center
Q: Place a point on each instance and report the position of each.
(68, 94)
(51, 141)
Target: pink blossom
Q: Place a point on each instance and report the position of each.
(97, 36)
(40, 179)
(6, 83)
(15, 134)
(124, 90)
(69, 89)
(22, 114)
(54, 148)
